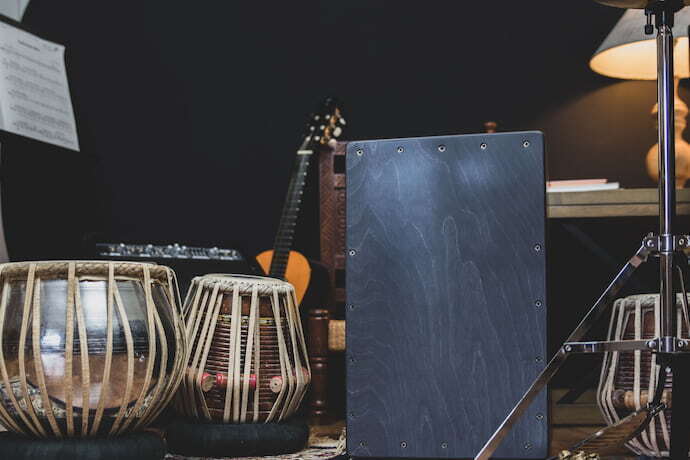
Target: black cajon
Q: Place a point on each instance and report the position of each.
(446, 294)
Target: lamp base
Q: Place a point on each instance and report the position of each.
(680, 112)
(134, 446)
(682, 162)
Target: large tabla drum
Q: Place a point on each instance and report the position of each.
(628, 378)
(247, 358)
(87, 348)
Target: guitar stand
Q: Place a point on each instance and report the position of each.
(673, 351)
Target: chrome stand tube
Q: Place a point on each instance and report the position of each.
(667, 170)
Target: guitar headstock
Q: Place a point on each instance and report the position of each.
(326, 125)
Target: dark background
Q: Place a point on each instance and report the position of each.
(189, 113)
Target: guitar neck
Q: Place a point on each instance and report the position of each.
(291, 209)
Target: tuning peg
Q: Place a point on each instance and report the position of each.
(342, 121)
(337, 131)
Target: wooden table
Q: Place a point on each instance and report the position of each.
(611, 203)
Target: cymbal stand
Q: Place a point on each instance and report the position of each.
(667, 246)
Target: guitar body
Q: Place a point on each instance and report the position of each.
(297, 272)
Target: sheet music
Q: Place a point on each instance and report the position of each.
(12, 9)
(34, 94)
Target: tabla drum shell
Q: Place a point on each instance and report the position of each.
(87, 348)
(628, 378)
(247, 358)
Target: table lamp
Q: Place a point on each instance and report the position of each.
(629, 54)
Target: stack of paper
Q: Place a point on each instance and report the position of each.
(581, 185)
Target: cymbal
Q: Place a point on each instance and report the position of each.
(639, 4)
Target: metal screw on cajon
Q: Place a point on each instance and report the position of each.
(667, 247)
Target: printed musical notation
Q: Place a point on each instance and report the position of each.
(34, 93)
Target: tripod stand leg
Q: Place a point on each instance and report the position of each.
(609, 294)
(557, 361)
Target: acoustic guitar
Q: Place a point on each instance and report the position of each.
(282, 262)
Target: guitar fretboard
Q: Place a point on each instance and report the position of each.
(291, 208)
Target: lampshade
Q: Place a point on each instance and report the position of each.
(630, 54)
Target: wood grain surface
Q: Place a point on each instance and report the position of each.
(446, 308)
(612, 203)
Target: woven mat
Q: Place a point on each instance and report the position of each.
(306, 454)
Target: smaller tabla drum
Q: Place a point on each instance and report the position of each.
(247, 358)
(87, 348)
(628, 378)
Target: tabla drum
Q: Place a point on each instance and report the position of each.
(247, 358)
(87, 349)
(628, 378)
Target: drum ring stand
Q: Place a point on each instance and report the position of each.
(673, 351)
